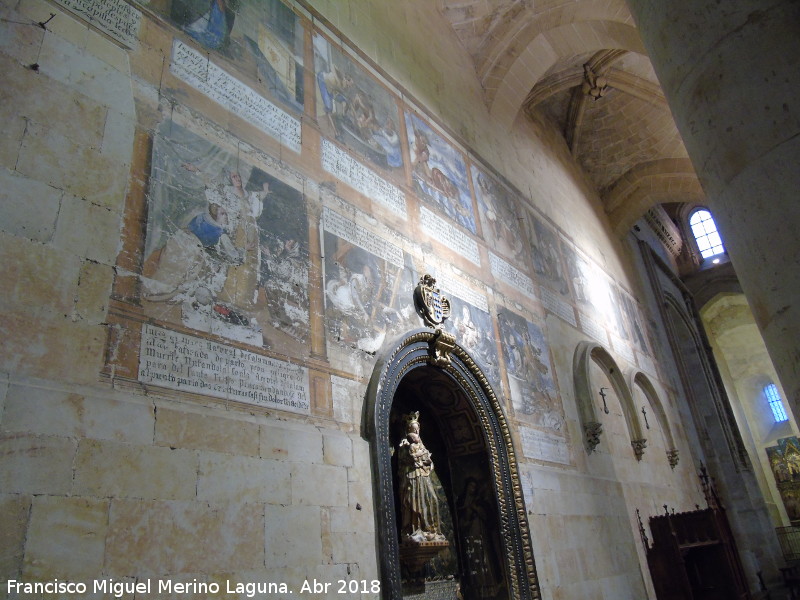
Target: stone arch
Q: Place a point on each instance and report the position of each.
(638, 378)
(646, 185)
(587, 352)
(418, 355)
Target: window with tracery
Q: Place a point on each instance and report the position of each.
(775, 403)
(705, 233)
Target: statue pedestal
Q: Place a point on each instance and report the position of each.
(414, 555)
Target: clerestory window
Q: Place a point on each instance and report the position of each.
(705, 233)
(775, 403)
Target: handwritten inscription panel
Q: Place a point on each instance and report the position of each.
(199, 72)
(344, 167)
(544, 446)
(450, 236)
(114, 17)
(507, 272)
(191, 364)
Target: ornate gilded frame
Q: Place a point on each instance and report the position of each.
(419, 349)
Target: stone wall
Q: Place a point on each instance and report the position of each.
(204, 423)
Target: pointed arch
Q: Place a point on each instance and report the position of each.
(421, 349)
(587, 352)
(638, 378)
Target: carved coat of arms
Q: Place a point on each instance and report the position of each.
(431, 305)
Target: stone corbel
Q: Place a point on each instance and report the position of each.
(441, 346)
(638, 447)
(672, 457)
(592, 431)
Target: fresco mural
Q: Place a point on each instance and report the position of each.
(498, 214)
(619, 325)
(474, 332)
(226, 250)
(439, 173)
(477, 520)
(636, 323)
(367, 298)
(527, 358)
(262, 37)
(784, 460)
(592, 287)
(547, 256)
(354, 109)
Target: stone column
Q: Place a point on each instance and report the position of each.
(730, 70)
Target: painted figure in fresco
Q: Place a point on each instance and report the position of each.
(193, 264)
(419, 506)
(241, 283)
(209, 22)
(225, 274)
(388, 140)
(467, 331)
(500, 217)
(333, 90)
(483, 571)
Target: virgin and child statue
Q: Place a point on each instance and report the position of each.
(419, 504)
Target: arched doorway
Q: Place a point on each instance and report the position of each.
(464, 426)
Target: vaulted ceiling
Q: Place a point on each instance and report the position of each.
(582, 65)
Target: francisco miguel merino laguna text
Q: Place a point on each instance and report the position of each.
(121, 588)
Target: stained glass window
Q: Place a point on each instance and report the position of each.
(775, 403)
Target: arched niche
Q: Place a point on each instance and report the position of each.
(587, 352)
(463, 419)
(639, 379)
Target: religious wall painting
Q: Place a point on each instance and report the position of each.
(368, 298)
(263, 38)
(546, 253)
(477, 521)
(439, 173)
(474, 332)
(497, 208)
(355, 109)
(592, 287)
(784, 460)
(620, 325)
(578, 274)
(226, 249)
(530, 374)
(635, 322)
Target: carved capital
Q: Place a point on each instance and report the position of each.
(592, 431)
(672, 457)
(638, 447)
(441, 346)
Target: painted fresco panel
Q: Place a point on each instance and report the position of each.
(530, 374)
(262, 37)
(439, 173)
(367, 297)
(474, 332)
(546, 253)
(354, 109)
(226, 250)
(636, 323)
(497, 208)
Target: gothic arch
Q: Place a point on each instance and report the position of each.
(587, 352)
(638, 378)
(414, 355)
